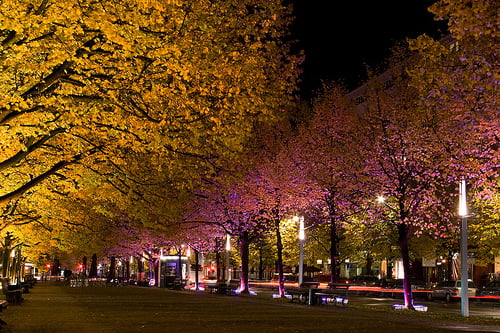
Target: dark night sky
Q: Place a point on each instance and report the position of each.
(340, 37)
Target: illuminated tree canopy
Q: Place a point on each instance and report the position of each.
(110, 86)
(141, 125)
(458, 83)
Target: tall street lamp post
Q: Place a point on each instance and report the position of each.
(301, 248)
(464, 283)
(228, 249)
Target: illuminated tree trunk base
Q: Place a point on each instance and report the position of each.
(244, 252)
(403, 233)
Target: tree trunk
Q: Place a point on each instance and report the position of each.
(403, 238)
(217, 264)
(261, 264)
(279, 262)
(156, 272)
(244, 252)
(197, 265)
(6, 254)
(179, 265)
(84, 265)
(334, 252)
(112, 270)
(93, 266)
(369, 263)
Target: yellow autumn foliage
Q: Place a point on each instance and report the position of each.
(135, 95)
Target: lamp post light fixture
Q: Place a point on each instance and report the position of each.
(187, 272)
(381, 199)
(464, 281)
(302, 237)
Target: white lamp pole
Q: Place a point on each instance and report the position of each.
(301, 249)
(462, 212)
(228, 250)
(159, 268)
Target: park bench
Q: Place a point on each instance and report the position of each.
(339, 288)
(25, 287)
(13, 294)
(30, 280)
(210, 286)
(224, 288)
(336, 294)
(309, 284)
(216, 286)
(173, 282)
(143, 283)
(304, 293)
(299, 295)
(232, 287)
(96, 282)
(328, 297)
(74, 283)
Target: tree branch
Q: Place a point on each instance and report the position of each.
(29, 149)
(40, 178)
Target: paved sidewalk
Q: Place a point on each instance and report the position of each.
(54, 308)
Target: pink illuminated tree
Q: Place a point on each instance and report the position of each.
(281, 185)
(402, 176)
(223, 209)
(128, 240)
(324, 156)
(256, 202)
(458, 83)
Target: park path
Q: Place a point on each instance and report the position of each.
(51, 307)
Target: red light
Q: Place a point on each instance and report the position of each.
(80, 266)
(48, 266)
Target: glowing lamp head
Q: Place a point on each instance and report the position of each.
(228, 242)
(302, 235)
(462, 203)
(380, 199)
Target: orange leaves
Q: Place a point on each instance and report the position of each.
(134, 87)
